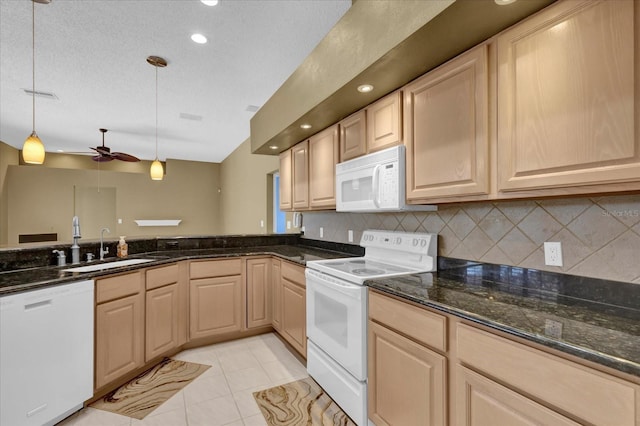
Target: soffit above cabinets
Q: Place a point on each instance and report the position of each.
(385, 43)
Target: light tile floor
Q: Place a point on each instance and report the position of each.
(222, 395)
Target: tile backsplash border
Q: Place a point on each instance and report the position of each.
(600, 236)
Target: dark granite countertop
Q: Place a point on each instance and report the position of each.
(600, 319)
(33, 278)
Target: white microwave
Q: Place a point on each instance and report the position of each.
(374, 183)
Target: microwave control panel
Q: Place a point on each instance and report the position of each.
(388, 192)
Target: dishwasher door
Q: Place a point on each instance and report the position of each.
(46, 353)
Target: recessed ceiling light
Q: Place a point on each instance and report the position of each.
(273, 147)
(60, 150)
(365, 88)
(305, 126)
(199, 38)
(209, 2)
(503, 2)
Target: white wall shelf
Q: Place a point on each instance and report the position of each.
(161, 222)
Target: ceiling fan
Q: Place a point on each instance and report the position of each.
(105, 154)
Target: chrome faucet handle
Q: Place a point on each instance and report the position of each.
(62, 259)
(89, 257)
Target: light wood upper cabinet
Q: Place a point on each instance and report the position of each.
(384, 122)
(353, 136)
(258, 292)
(300, 175)
(447, 130)
(568, 101)
(286, 183)
(323, 157)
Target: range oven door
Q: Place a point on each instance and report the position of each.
(337, 320)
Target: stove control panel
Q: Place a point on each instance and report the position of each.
(411, 242)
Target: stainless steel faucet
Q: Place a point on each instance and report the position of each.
(103, 250)
(75, 248)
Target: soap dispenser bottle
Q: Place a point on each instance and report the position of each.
(123, 247)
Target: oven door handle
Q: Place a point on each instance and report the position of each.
(351, 290)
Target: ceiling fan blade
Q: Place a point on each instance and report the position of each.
(124, 157)
(101, 158)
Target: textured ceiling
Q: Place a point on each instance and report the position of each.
(92, 55)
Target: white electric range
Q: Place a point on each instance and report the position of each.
(337, 310)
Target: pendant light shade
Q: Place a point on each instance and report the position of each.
(33, 149)
(157, 171)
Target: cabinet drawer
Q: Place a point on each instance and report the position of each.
(160, 277)
(215, 268)
(419, 324)
(118, 286)
(293, 273)
(590, 395)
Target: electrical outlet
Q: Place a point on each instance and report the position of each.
(553, 328)
(288, 224)
(553, 254)
(321, 232)
(119, 221)
(350, 235)
(262, 224)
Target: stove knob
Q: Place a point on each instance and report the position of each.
(415, 242)
(398, 240)
(423, 243)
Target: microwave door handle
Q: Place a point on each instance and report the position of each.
(376, 185)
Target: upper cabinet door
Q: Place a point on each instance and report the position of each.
(285, 180)
(353, 132)
(300, 175)
(567, 103)
(323, 157)
(384, 122)
(446, 130)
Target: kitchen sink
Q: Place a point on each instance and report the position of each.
(108, 265)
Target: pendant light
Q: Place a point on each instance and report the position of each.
(33, 149)
(157, 171)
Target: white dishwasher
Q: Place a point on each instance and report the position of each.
(46, 353)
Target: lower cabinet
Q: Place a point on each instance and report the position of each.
(164, 311)
(494, 379)
(119, 339)
(215, 306)
(483, 402)
(276, 295)
(294, 306)
(407, 380)
(162, 321)
(259, 307)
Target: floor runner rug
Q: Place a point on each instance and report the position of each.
(150, 389)
(299, 403)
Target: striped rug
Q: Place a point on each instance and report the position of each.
(299, 403)
(150, 389)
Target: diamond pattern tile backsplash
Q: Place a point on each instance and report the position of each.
(600, 236)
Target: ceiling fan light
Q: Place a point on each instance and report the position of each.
(33, 150)
(156, 171)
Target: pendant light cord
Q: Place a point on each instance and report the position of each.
(33, 69)
(156, 112)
